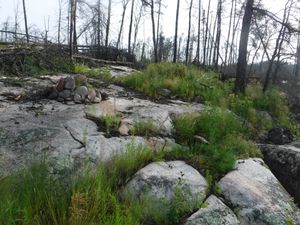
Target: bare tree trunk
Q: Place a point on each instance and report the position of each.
(218, 35)
(125, 3)
(153, 32)
(189, 34)
(297, 69)
(199, 31)
(278, 44)
(59, 22)
(75, 27)
(158, 21)
(136, 27)
(108, 23)
(98, 28)
(229, 32)
(16, 22)
(240, 81)
(176, 33)
(130, 26)
(72, 14)
(206, 35)
(211, 41)
(234, 30)
(25, 20)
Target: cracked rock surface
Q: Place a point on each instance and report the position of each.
(33, 127)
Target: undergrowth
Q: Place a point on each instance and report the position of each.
(35, 196)
(192, 84)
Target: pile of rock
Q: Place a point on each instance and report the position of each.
(74, 88)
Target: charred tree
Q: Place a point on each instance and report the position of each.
(25, 21)
(240, 81)
(176, 33)
(189, 34)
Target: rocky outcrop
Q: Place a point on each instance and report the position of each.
(213, 212)
(257, 196)
(161, 180)
(284, 162)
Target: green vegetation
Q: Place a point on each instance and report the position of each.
(100, 73)
(191, 84)
(145, 128)
(227, 136)
(37, 197)
(36, 62)
(111, 123)
(182, 82)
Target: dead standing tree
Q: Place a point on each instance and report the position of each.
(124, 5)
(25, 21)
(240, 81)
(176, 33)
(150, 3)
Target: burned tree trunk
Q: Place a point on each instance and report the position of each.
(176, 33)
(240, 81)
(25, 20)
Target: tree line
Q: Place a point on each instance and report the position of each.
(223, 35)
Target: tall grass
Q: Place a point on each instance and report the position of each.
(36, 197)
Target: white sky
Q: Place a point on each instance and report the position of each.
(40, 10)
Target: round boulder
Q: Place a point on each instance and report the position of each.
(163, 180)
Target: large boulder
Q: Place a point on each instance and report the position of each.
(257, 195)
(161, 180)
(284, 162)
(214, 212)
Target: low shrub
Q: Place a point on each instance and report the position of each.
(111, 123)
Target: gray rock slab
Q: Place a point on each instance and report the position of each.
(214, 212)
(257, 195)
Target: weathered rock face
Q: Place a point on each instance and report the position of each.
(280, 136)
(257, 195)
(215, 212)
(161, 180)
(284, 162)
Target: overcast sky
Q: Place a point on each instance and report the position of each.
(40, 10)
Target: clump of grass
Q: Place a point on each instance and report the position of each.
(227, 136)
(185, 128)
(145, 128)
(111, 123)
(183, 82)
(34, 196)
(99, 73)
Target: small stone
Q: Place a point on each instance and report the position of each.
(60, 85)
(91, 94)
(80, 80)
(97, 100)
(164, 92)
(82, 91)
(69, 83)
(53, 94)
(78, 99)
(124, 128)
(104, 96)
(65, 94)
(60, 99)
